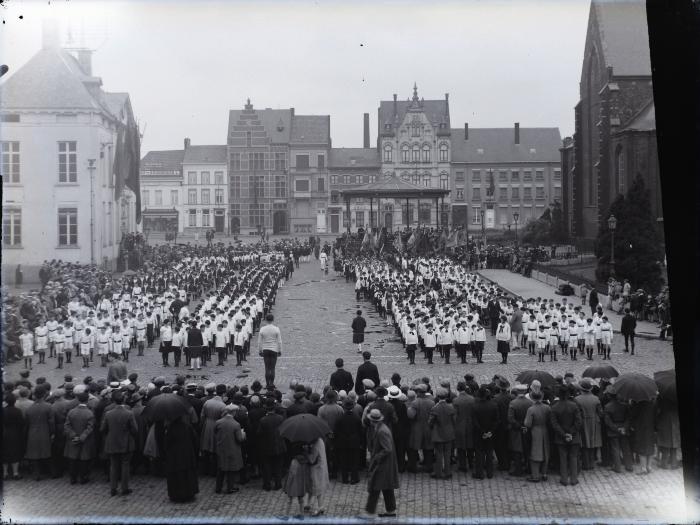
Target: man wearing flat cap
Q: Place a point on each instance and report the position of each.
(420, 437)
(442, 421)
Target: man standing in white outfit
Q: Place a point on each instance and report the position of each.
(270, 348)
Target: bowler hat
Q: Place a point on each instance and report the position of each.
(375, 415)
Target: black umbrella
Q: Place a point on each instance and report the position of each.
(528, 376)
(666, 383)
(635, 387)
(600, 371)
(166, 407)
(304, 428)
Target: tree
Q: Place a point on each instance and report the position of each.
(558, 229)
(536, 231)
(638, 249)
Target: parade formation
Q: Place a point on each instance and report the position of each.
(212, 306)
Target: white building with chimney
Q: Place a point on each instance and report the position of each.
(64, 196)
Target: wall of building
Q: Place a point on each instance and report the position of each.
(205, 212)
(309, 190)
(39, 194)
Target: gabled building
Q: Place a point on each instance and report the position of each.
(502, 172)
(258, 161)
(70, 154)
(615, 93)
(414, 142)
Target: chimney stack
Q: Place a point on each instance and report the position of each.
(187, 142)
(396, 109)
(517, 132)
(466, 131)
(366, 131)
(50, 35)
(85, 61)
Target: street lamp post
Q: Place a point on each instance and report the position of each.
(612, 224)
(516, 217)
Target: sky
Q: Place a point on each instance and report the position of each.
(186, 64)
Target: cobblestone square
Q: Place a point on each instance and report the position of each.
(314, 311)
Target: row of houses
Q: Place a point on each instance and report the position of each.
(278, 172)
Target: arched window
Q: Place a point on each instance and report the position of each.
(620, 169)
(444, 152)
(425, 153)
(444, 181)
(426, 179)
(415, 153)
(388, 153)
(405, 153)
(415, 179)
(387, 174)
(405, 176)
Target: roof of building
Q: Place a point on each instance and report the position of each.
(624, 35)
(165, 160)
(644, 120)
(495, 145)
(354, 157)
(311, 129)
(277, 122)
(205, 155)
(393, 187)
(437, 111)
(53, 79)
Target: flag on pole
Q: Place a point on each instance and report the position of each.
(366, 241)
(397, 242)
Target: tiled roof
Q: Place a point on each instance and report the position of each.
(493, 145)
(311, 129)
(168, 160)
(51, 79)
(270, 119)
(624, 35)
(435, 111)
(205, 155)
(362, 157)
(393, 186)
(644, 120)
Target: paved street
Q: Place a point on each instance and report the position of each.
(314, 312)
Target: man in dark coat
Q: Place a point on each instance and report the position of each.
(301, 404)
(271, 446)
(617, 428)
(195, 342)
(60, 408)
(383, 472)
(627, 328)
(442, 421)
(464, 438)
(485, 424)
(366, 370)
(401, 427)
(349, 442)
(567, 423)
(117, 371)
(40, 431)
(341, 379)
(593, 300)
(494, 311)
(518, 441)
(419, 437)
(80, 439)
(120, 429)
(358, 330)
(502, 399)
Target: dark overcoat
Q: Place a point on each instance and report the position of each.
(464, 435)
(80, 423)
(383, 470)
(40, 429)
(228, 438)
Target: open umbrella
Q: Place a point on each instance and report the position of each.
(528, 376)
(600, 371)
(666, 383)
(304, 428)
(635, 387)
(166, 407)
